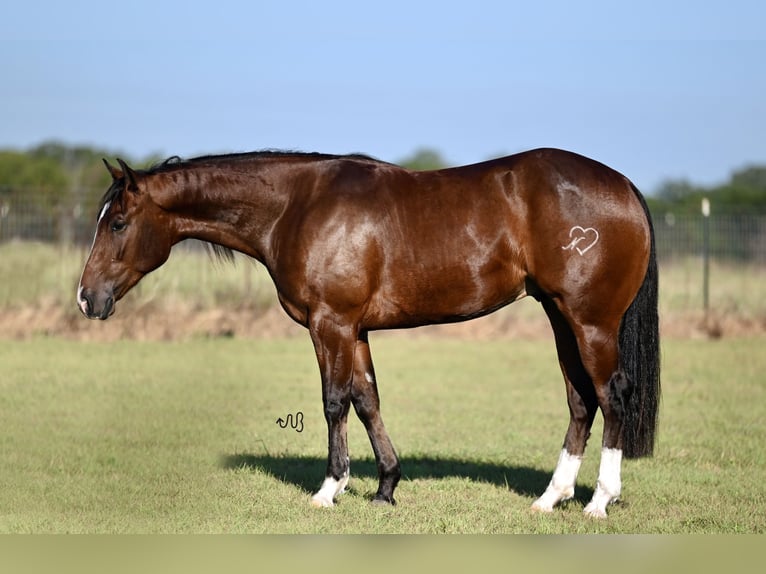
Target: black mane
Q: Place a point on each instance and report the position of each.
(175, 161)
(115, 191)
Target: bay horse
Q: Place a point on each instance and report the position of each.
(354, 244)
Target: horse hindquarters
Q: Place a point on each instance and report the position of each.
(608, 364)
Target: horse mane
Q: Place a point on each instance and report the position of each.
(216, 251)
(175, 162)
(219, 252)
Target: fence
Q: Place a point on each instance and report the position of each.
(736, 238)
(35, 216)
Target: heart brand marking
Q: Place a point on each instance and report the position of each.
(586, 237)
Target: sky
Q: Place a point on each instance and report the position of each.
(659, 90)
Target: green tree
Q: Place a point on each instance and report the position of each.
(54, 185)
(745, 192)
(20, 171)
(423, 159)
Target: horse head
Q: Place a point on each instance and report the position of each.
(133, 237)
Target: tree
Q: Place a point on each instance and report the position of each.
(48, 189)
(20, 171)
(745, 192)
(424, 159)
(753, 177)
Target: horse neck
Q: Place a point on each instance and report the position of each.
(234, 208)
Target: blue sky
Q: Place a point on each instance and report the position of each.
(658, 90)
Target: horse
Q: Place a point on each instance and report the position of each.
(354, 244)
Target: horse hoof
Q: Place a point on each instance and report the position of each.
(381, 500)
(321, 502)
(541, 505)
(594, 512)
(538, 506)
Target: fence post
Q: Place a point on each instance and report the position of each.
(706, 255)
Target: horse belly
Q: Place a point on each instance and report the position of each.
(423, 293)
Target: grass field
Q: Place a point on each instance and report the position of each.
(139, 437)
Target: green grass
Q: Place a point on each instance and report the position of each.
(136, 437)
(735, 288)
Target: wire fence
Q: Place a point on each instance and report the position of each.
(33, 215)
(735, 238)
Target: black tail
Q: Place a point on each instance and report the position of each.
(640, 359)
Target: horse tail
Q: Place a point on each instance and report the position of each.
(639, 347)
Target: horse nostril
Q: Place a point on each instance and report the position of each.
(93, 306)
(84, 302)
(108, 309)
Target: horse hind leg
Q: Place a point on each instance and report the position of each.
(612, 400)
(583, 404)
(600, 355)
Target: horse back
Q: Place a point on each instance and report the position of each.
(400, 248)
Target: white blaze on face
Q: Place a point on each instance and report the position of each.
(104, 209)
(80, 301)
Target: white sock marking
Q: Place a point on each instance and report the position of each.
(330, 489)
(561, 486)
(609, 484)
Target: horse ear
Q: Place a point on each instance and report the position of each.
(113, 171)
(130, 176)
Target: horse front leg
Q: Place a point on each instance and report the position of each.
(366, 401)
(334, 347)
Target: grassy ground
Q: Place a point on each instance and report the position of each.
(135, 437)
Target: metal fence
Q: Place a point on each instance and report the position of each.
(738, 238)
(33, 215)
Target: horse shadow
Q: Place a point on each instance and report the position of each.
(302, 471)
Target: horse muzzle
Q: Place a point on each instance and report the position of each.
(95, 305)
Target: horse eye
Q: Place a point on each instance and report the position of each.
(118, 225)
